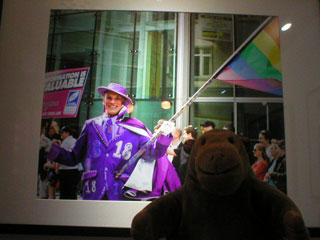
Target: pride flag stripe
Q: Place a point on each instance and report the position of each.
(260, 63)
(271, 86)
(272, 29)
(243, 68)
(258, 66)
(270, 50)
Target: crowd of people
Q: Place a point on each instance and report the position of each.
(269, 153)
(101, 163)
(53, 177)
(270, 164)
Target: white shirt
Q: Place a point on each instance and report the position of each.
(268, 152)
(172, 146)
(67, 144)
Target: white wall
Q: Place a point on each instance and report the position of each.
(23, 39)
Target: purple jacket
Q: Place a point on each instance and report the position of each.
(102, 158)
(165, 180)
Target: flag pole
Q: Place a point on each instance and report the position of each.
(141, 151)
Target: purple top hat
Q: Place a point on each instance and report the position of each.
(116, 88)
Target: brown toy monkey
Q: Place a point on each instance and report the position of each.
(221, 199)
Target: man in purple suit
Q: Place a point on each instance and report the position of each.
(105, 145)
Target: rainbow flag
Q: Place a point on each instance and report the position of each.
(257, 65)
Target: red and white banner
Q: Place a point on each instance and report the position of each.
(62, 92)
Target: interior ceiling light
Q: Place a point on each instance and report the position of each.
(286, 27)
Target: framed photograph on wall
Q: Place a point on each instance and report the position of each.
(143, 48)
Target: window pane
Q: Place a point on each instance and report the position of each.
(218, 89)
(220, 113)
(206, 66)
(196, 65)
(276, 120)
(154, 65)
(247, 92)
(212, 43)
(50, 57)
(251, 119)
(245, 25)
(71, 43)
(114, 49)
(149, 112)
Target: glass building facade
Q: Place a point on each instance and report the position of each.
(162, 56)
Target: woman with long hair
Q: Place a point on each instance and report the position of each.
(260, 166)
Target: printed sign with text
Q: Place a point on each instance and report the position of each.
(62, 92)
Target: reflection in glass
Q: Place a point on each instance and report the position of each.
(154, 62)
(276, 120)
(212, 45)
(251, 119)
(113, 46)
(70, 40)
(151, 112)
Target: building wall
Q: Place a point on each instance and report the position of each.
(23, 39)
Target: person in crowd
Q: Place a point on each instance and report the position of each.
(249, 146)
(265, 140)
(107, 144)
(176, 143)
(260, 166)
(181, 161)
(53, 178)
(69, 176)
(207, 126)
(51, 135)
(277, 174)
(274, 150)
(42, 160)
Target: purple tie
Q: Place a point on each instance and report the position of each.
(108, 130)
